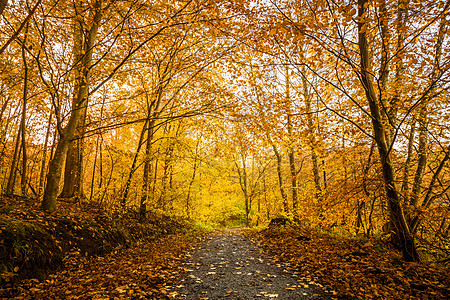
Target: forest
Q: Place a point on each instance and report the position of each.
(331, 114)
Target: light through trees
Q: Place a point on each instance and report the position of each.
(333, 114)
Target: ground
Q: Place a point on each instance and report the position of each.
(79, 254)
(228, 265)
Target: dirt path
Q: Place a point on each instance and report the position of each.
(228, 265)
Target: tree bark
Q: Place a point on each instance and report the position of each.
(44, 156)
(133, 164)
(12, 171)
(312, 135)
(3, 4)
(280, 179)
(194, 173)
(405, 184)
(147, 173)
(67, 133)
(243, 182)
(291, 154)
(23, 180)
(401, 228)
(402, 12)
(73, 171)
(73, 183)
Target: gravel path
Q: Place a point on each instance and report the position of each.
(229, 266)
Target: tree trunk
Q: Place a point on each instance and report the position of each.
(146, 175)
(73, 183)
(280, 179)
(312, 135)
(152, 114)
(23, 180)
(133, 164)
(243, 182)
(194, 172)
(291, 154)
(67, 133)
(44, 156)
(422, 156)
(402, 12)
(3, 4)
(405, 184)
(12, 171)
(293, 182)
(168, 167)
(73, 171)
(401, 228)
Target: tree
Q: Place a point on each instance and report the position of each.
(3, 4)
(401, 229)
(78, 105)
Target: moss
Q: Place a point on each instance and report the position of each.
(26, 249)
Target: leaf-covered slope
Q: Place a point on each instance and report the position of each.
(33, 244)
(351, 268)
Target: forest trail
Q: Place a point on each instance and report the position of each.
(228, 265)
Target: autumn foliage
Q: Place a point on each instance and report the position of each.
(333, 115)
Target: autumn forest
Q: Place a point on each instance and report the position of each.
(328, 114)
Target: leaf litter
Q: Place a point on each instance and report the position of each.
(351, 268)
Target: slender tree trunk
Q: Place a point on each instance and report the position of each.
(146, 175)
(243, 182)
(94, 168)
(280, 179)
(153, 113)
(402, 12)
(194, 172)
(401, 228)
(291, 154)
(405, 184)
(247, 200)
(23, 181)
(293, 182)
(312, 135)
(133, 164)
(422, 156)
(12, 171)
(384, 71)
(44, 156)
(168, 156)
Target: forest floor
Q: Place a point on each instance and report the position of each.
(81, 254)
(353, 268)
